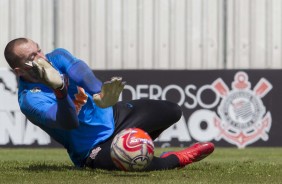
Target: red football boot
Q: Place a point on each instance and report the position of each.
(194, 153)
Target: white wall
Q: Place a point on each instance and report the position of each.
(151, 34)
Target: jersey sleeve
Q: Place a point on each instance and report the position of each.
(40, 110)
(76, 69)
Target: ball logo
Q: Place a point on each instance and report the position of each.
(132, 142)
(242, 115)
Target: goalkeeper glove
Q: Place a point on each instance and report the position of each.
(47, 74)
(109, 93)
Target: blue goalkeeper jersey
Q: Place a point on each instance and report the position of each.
(40, 106)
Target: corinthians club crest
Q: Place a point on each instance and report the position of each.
(243, 118)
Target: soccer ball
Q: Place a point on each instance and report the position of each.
(132, 149)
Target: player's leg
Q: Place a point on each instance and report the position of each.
(100, 157)
(153, 116)
(181, 158)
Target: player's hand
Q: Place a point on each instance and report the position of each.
(47, 73)
(109, 93)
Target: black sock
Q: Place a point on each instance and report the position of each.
(169, 162)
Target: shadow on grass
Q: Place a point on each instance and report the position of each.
(117, 173)
(43, 167)
(130, 174)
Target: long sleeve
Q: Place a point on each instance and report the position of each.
(76, 70)
(84, 77)
(43, 109)
(62, 114)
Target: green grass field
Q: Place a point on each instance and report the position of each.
(225, 165)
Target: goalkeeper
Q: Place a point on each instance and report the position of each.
(60, 94)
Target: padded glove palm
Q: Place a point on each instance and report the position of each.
(109, 93)
(47, 74)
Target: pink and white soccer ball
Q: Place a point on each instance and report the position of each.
(132, 149)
